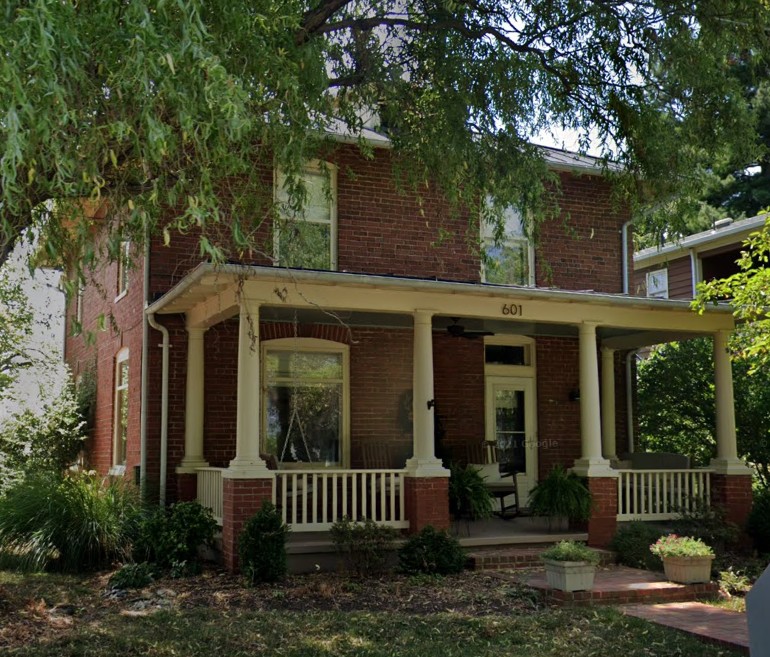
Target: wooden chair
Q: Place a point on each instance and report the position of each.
(499, 476)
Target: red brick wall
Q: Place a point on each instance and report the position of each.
(581, 248)
(558, 417)
(109, 326)
(458, 366)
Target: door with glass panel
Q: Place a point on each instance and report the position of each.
(511, 427)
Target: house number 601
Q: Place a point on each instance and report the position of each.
(513, 309)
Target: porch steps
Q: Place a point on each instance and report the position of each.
(517, 558)
(617, 585)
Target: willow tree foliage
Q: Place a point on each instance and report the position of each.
(163, 107)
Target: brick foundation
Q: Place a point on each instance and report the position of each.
(186, 486)
(603, 521)
(427, 502)
(733, 494)
(242, 499)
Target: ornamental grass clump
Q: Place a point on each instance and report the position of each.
(571, 551)
(680, 546)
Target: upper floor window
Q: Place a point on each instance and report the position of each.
(121, 409)
(657, 284)
(507, 257)
(124, 262)
(305, 387)
(306, 236)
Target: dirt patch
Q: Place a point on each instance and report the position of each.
(47, 609)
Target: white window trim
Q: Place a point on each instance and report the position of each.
(486, 239)
(315, 166)
(660, 285)
(521, 371)
(123, 267)
(311, 345)
(121, 357)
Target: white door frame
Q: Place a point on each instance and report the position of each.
(528, 479)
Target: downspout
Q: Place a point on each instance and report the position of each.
(694, 272)
(624, 252)
(163, 407)
(145, 377)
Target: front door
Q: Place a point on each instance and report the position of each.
(511, 427)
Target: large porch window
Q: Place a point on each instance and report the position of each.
(305, 402)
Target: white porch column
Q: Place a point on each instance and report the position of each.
(591, 463)
(424, 462)
(609, 447)
(727, 461)
(247, 463)
(194, 403)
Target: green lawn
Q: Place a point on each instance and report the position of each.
(205, 621)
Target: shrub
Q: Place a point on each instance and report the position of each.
(758, 525)
(632, 544)
(70, 523)
(571, 551)
(468, 496)
(363, 546)
(432, 552)
(132, 576)
(262, 546)
(708, 524)
(169, 536)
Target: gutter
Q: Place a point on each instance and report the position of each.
(418, 284)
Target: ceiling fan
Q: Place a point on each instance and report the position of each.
(457, 330)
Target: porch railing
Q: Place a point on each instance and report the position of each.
(662, 494)
(312, 500)
(210, 491)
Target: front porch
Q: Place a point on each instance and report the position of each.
(331, 368)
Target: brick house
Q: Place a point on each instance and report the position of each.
(336, 382)
(673, 270)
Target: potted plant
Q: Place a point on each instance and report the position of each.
(468, 496)
(570, 566)
(686, 560)
(561, 497)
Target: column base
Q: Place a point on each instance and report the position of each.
(603, 522)
(730, 467)
(242, 498)
(593, 467)
(427, 502)
(248, 469)
(431, 467)
(190, 465)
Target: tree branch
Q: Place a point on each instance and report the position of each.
(314, 19)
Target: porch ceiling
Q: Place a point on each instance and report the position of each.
(211, 294)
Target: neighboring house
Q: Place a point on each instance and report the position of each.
(334, 389)
(672, 271)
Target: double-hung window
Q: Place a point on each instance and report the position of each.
(121, 409)
(507, 256)
(305, 235)
(305, 387)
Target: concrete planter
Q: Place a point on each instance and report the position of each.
(569, 575)
(688, 570)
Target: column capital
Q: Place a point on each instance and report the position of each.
(195, 332)
(423, 315)
(608, 352)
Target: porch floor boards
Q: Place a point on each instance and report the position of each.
(621, 585)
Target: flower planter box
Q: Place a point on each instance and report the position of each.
(688, 570)
(569, 575)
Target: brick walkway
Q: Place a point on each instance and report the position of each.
(712, 624)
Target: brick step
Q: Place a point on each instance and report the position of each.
(517, 558)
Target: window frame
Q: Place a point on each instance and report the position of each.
(314, 167)
(119, 447)
(660, 291)
(308, 345)
(486, 237)
(124, 259)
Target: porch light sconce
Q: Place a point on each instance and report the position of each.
(574, 394)
(431, 403)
